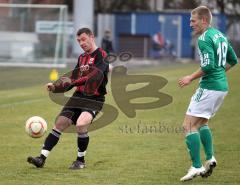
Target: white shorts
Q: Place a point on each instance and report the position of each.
(205, 103)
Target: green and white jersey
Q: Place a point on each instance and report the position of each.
(214, 51)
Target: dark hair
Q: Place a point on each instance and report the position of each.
(84, 30)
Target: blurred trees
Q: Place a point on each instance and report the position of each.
(231, 8)
(107, 6)
(179, 4)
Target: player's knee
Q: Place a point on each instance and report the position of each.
(188, 127)
(62, 123)
(82, 125)
(185, 128)
(82, 128)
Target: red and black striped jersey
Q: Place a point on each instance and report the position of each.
(90, 73)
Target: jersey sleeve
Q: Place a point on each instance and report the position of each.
(101, 63)
(96, 71)
(75, 71)
(65, 82)
(75, 78)
(206, 54)
(231, 56)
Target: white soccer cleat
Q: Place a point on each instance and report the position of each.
(209, 166)
(193, 172)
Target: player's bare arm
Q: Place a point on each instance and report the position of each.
(186, 80)
(228, 66)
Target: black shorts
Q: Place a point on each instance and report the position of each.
(79, 103)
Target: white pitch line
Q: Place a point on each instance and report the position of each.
(21, 102)
(8, 94)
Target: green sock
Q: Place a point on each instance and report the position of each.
(206, 138)
(193, 144)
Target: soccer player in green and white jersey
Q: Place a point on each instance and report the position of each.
(217, 56)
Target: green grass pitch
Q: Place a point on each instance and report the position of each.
(122, 153)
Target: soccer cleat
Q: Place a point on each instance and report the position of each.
(76, 165)
(193, 172)
(36, 161)
(209, 166)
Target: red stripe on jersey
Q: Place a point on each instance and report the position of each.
(84, 60)
(90, 59)
(104, 54)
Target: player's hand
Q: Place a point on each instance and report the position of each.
(186, 80)
(50, 87)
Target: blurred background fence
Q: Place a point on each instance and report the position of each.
(42, 32)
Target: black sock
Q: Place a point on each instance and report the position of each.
(82, 141)
(43, 157)
(50, 141)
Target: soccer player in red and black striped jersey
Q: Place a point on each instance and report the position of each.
(90, 79)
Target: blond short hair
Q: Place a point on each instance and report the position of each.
(203, 12)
